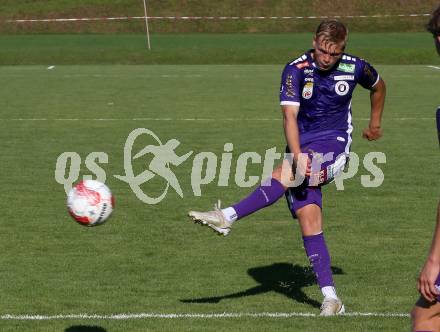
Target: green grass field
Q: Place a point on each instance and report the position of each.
(150, 258)
(174, 49)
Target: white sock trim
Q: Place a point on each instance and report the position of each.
(329, 291)
(230, 214)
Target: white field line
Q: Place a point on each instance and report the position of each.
(221, 18)
(129, 316)
(435, 67)
(189, 119)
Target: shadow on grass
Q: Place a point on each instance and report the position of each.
(85, 328)
(283, 278)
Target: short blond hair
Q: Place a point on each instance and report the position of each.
(332, 31)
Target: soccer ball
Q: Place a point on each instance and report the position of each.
(90, 202)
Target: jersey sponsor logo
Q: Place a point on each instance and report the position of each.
(308, 71)
(318, 178)
(290, 88)
(344, 78)
(302, 65)
(342, 88)
(308, 79)
(330, 173)
(349, 58)
(307, 92)
(346, 67)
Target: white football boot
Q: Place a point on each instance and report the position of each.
(214, 219)
(332, 307)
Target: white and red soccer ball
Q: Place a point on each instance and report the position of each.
(90, 202)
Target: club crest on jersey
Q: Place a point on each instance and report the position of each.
(342, 88)
(307, 90)
(346, 67)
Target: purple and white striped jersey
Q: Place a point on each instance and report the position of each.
(324, 97)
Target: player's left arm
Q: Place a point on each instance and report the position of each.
(377, 99)
(367, 77)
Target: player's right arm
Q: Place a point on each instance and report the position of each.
(431, 269)
(290, 93)
(291, 131)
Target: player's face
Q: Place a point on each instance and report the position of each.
(326, 53)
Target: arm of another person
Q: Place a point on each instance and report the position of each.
(431, 269)
(377, 98)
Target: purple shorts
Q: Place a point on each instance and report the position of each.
(437, 285)
(328, 158)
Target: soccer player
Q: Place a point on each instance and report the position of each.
(426, 312)
(315, 98)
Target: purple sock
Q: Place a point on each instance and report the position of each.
(319, 258)
(261, 197)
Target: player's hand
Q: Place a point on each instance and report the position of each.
(427, 278)
(303, 165)
(372, 133)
